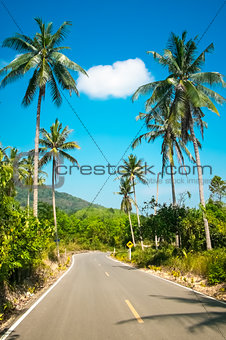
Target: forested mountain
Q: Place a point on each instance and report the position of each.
(64, 201)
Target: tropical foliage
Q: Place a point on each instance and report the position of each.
(22, 238)
(218, 188)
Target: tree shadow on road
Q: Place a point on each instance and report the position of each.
(197, 320)
(208, 318)
(126, 267)
(194, 298)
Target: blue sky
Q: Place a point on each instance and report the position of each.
(117, 34)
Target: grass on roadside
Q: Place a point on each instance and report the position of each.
(210, 265)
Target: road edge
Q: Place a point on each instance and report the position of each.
(23, 316)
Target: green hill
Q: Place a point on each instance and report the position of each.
(64, 201)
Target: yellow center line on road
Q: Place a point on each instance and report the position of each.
(133, 310)
(107, 274)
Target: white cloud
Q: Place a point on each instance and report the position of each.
(119, 80)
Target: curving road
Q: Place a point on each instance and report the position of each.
(100, 299)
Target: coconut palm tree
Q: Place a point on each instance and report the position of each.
(43, 54)
(28, 177)
(134, 170)
(185, 85)
(160, 124)
(55, 147)
(14, 160)
(126, 204)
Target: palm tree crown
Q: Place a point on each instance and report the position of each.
(160, 125)
(133, 169)
(43, 54)
(125, 191)
(185, 78)
(55, 145)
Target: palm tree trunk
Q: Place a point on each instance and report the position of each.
(54, 208)
(131, 228)
(138, 217)
(173, 186)
(201, 191)
(155, 209)
(174, 198)
(36, 156)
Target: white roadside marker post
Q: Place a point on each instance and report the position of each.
(129, 254)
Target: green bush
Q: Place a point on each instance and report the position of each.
(142, 258)
(216, 271)
(22, 240)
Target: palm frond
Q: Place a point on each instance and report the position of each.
(161, 59)
(34, 61)
(201, 59)
(144, 89)
(64, 78)
(18, 44)
(70, 146)
(192, 93)
(13, 75)
(45, 159)
(60, 34)
(207, 78)
(206, 102)
(55, 93)
(19, 61)
(158, 94)
(212, 94)
(65, 61)
(31, 89)
(68, 157)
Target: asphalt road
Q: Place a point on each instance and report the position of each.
(102, 299)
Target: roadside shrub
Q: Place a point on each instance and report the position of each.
(162, 256)
(216, 274)
(142, 258)
(216, 271)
